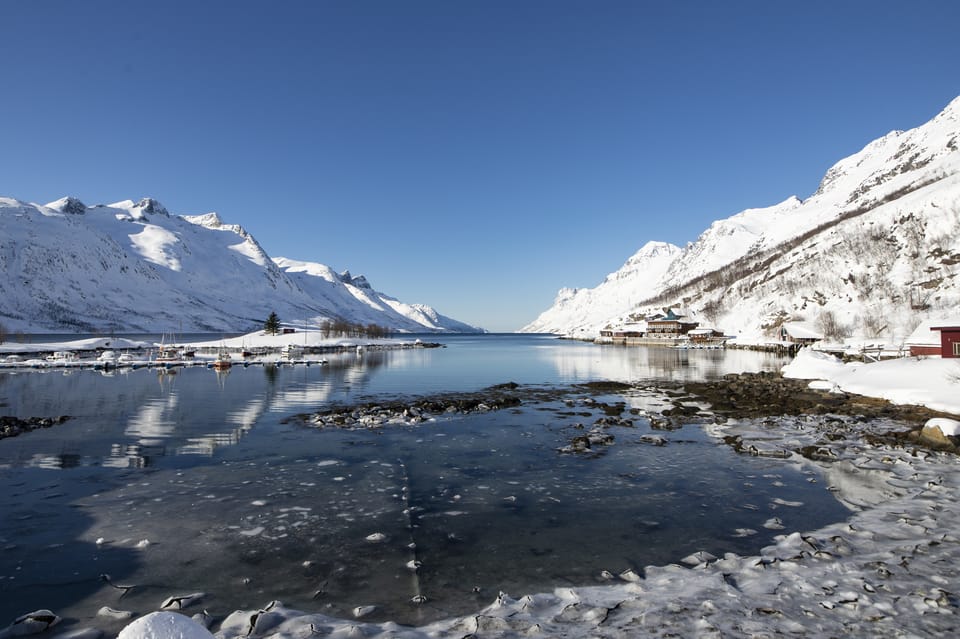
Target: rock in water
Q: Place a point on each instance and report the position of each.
(107, 611)
(164, 625)
(178, 602)
(30, 623)
(359, 611)
(938, 431)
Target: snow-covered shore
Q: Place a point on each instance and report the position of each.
(256, 339)
(887, 571)
(925, 381)
(89, 344)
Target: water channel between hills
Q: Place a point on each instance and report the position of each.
(195, 482)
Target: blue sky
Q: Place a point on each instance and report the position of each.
(474, 156)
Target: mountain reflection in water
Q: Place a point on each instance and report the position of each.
(194, 482)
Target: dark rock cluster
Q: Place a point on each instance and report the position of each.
(588, 442)
(376, 415)
(13, 426)
(751, 395)
(757, 395)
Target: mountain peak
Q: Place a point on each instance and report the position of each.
(653, 249)
(874, 248)
(157, 273)
(359, 281)
(210, 220)
(68, 205)
(150, 206)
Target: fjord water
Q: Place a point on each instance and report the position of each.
(198, 482)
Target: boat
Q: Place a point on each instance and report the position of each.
(167, 354)
(107, 359)
(62, 357)
(291, 352)
(223, 361)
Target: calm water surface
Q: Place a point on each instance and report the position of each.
(194, 482)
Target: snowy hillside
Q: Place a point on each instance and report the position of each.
(580, 312)
(872, 253)
(133, 266)
(358, 301)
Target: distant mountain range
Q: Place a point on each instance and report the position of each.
(133, 266)
(871, 254)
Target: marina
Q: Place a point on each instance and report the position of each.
(107, 354)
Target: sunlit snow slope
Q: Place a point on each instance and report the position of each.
(133, 266)
(876, 249)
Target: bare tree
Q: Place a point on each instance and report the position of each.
(830, 326)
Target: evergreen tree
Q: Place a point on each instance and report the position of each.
(272, 325)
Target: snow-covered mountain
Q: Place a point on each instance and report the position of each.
(133, 266)
(872, 253)
(582, 311)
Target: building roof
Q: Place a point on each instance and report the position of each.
(801, 330)
(701, 331)
(926, 334)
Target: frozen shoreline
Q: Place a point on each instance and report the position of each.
(884, 572)
(925, 381)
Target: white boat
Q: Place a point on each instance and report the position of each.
(63, 357)
(168, 354)
(291, 352)
(223, 361)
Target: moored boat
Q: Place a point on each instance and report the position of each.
(63, 357)
(223, 361)
(291, 352)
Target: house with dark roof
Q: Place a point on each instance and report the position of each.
(669, 324)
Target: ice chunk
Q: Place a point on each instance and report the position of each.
(697, 558)
(107, 611)
(30, 623)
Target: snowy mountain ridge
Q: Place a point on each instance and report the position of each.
(583, 311)
(873, 251)
(134, 266)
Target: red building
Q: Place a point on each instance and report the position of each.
(949, 340)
